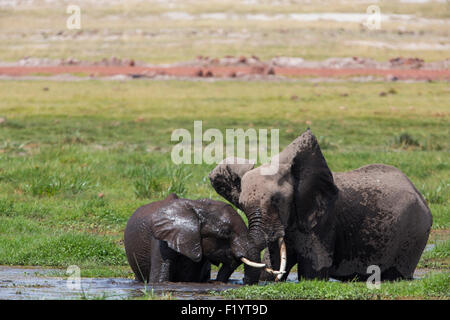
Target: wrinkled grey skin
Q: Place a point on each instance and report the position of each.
(178, 239)
(334, 224)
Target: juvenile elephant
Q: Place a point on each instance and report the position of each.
(331, 224)
(177, 240)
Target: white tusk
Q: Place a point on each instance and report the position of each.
(253, 264)
(275, 272)
(283, 258)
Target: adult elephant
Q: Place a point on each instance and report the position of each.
(177, 240)
(331, 224)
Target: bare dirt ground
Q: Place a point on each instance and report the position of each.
(237, 67)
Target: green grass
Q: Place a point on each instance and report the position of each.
(25, 242)
(432, 286)
(438, 257)
(77, 160)
(150, 183)
(150, 294)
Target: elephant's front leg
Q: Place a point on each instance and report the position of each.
(315, 255)
(162, 264)
(226, 271)
(306, 269)
(163, 274)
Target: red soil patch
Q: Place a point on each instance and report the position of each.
(227, 71)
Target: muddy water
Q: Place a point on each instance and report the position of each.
(35, 283)
(23, 283)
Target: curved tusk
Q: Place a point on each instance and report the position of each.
(253, 264)
(283, 258)
(275, 272)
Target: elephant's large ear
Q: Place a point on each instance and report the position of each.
(314, 189)
(226, 178)
(179, 226)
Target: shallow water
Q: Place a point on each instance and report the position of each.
(29, 283)
(36, 283)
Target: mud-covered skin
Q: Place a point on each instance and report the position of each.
(178, 239)
(139, 242)
(334, 224)
(381, 219)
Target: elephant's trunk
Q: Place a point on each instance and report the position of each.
(258, 240)
(244, 251)
(252, 273)
(256, 234)
(255, 244)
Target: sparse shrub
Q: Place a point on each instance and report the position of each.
(159, 182)
(325, 143)
(6, 207)
(178, 182)
(74, 138)
(77, 184)
(392, 91)
(42, 182)
(405, 140)
(149, 185)
(430, 144)
(44, 185)
(13, 147)
(438, 195)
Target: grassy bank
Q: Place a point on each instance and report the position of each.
(434, 286)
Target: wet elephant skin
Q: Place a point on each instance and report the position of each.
(333, 224)
(177, 240)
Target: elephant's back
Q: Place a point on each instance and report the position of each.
(384, 217)
(137, 223)
(137, 229)
(380, 181)
(373, 176)
(382, 190)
